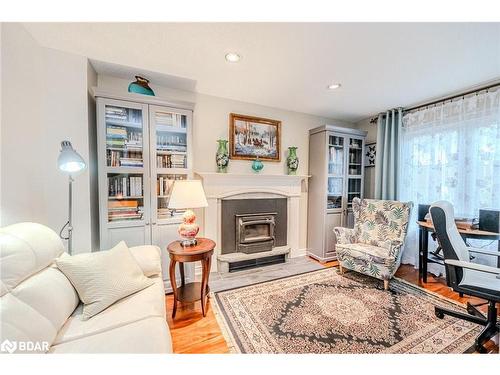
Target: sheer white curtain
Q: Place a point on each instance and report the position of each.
(451, 151)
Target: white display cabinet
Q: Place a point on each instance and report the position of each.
(144, 145)
(336, 166)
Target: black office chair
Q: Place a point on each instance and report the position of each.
(466, 277)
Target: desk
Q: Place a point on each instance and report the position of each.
(424, 228)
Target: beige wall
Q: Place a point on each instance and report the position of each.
(211, 122)
(44, 101)
(369, 187)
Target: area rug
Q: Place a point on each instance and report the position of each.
(324, 312)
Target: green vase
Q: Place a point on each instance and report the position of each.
(222, 156)
(292, 161)
(257, 165)
(141, 86)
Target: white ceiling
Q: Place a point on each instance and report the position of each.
(289, 65)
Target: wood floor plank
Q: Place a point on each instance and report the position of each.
(192, 333)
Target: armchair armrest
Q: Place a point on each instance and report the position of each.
(149, 259)
(485, 252)
(345, 235)
(473, 266)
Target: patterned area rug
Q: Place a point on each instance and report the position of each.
(324, 312)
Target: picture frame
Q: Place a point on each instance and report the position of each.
(251, 137)
(370, 154)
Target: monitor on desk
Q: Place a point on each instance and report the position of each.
(489, 220)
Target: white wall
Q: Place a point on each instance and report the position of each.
(211, 122)
(369, 185)
(44, 102)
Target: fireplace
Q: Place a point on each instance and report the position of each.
(252, 226)
(255, 232)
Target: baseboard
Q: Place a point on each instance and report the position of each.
(320, 259)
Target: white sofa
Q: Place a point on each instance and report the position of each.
(39, 305)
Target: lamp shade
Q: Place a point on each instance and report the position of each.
(187, 194)
(69, 160)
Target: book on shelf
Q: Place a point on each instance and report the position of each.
(124, 210)
(123, 186)
(171, 161)
(124, 114)
(173, 120)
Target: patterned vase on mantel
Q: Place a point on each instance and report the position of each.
(222, 156)
(292, 161)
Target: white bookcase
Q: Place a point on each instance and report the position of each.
(336, 166)
(144, 144)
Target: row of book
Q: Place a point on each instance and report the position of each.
(171, 119)
(119, 135)
(124, 210)
(124, 158)
(171, 161)
(163, 186)
(123, 114)
(123, 186)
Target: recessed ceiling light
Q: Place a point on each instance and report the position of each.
(334, 86)
(232, 57)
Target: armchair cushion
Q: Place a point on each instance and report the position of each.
(345, 235)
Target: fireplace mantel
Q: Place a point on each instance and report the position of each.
(221, 186)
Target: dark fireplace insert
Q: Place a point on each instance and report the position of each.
(255, 232)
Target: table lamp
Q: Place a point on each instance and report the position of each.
(187, 194)
(69, 161)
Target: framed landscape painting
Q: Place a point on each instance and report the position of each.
(250, 137)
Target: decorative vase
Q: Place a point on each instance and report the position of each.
(188, 229)
(222, 156)
(257, 165)
(141, 86)
(292, 161)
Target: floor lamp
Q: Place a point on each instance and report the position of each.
(69, 162)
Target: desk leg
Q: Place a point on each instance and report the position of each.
(420, 252)
(498, 258)
(425, 254)
(174, 285)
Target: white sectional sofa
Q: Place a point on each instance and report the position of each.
(39, 305)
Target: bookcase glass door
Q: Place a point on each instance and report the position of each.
(125, 197)
(124, 136)
(355, 171)
(336, 155)
(170, 138)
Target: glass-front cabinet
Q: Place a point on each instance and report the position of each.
(336, 165)
(143, 148)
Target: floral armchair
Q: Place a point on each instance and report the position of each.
(374, 246)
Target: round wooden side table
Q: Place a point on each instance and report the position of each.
(191, 292)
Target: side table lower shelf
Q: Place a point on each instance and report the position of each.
(190, 292)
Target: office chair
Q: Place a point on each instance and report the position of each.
(466, 277)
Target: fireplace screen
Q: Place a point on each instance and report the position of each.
(255, 232)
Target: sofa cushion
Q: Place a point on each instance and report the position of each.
(36, 298)
(25, 249)
(149, 302)
(104, 277)
(148, 258)
(149, 335)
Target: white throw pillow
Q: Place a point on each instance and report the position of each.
(103, 277)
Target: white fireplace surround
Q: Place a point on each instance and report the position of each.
(221, 186)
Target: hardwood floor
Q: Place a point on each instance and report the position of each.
(191, 333)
